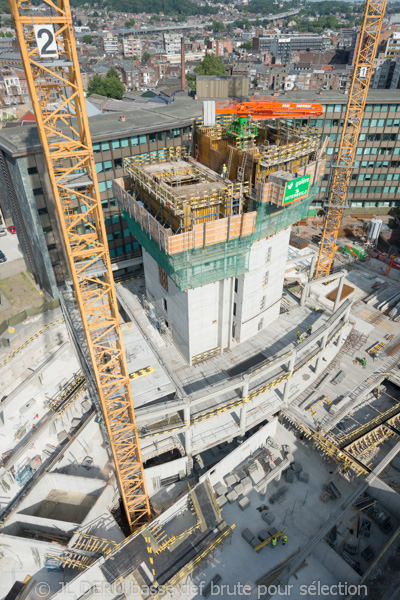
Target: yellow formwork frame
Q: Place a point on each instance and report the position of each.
(365, 56)
(68, 151)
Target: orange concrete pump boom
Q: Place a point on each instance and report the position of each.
(268, 110)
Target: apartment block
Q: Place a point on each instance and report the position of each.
(110, 43)
(131, 46)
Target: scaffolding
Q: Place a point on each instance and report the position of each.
(209, 263)
(198, 225)
(180, 194)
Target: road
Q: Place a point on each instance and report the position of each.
(145, 30)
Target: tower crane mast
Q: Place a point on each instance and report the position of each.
(365, 55)
(50, 60)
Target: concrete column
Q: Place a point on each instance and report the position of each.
(304, 294)
(341, 335)
(319, 357)
(312, 267)
(339, 292)
(245, 388)
(286, 389)
(243, 410)
(188, 438)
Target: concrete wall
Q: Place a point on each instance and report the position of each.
(199, 318)
(257, 302)
(210, 309)
(76, 449)
(154, 474)
(176, 314)
(241, 453)
(58, 481)
(203, 318)
(23, 547)
(335, 564)
(386, 496)
(99, 521)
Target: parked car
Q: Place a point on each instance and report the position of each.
(2, 232)
(11, 229)
(3, 257)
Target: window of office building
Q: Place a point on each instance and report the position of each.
(105, 146)
(115, 144)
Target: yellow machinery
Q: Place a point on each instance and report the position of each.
(51, 66)
(365, 56)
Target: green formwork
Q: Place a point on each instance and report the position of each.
(193, 268)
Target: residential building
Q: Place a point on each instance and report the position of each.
(393, 45)
(110, 43)
(132, 46)
(131, 76)
(10, 89)
(219, 47)
(172, 43)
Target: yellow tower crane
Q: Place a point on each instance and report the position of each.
(48, 52)
(364, 61)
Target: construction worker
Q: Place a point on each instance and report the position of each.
(284, 540)
(224, 171)
(274, 540)
(309, 330)
(298, 335)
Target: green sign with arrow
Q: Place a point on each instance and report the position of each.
(297, 189)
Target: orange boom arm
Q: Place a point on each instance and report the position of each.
(268, 110)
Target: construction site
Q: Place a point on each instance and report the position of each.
(225, 422)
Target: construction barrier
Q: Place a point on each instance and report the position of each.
(28, 341)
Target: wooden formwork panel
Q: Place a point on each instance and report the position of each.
(213, 232)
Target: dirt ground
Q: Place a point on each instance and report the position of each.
(352, 229)
(17, 293)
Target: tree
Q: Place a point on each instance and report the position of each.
(218, 27)
(112, 73)
(94, 84)
(191, 80)
(129, 24)
(145, 56)
(109, 86)
(210, 65)
(247, 46)
(87, 39)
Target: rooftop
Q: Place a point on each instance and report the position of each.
(182, 111)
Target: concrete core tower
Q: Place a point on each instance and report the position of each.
(215, 228)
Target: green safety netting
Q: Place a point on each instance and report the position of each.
(200, 266)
